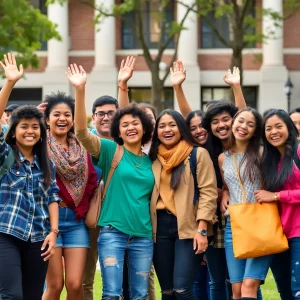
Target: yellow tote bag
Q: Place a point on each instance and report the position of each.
(256, 228)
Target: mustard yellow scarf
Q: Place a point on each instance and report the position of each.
(171, 158)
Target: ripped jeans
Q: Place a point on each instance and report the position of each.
(294, 244)
(174, 260)
(112, 244)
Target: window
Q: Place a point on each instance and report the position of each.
(144, 95)
(208, 37)
(22, 96)
(41, 5)
(150, 23)
(224, 93)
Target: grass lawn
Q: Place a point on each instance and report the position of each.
(269, 289)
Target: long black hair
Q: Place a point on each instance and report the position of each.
(251, 157)
(40, 148)
(185, 135)
(274, 180)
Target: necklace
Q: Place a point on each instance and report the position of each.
(132, 159)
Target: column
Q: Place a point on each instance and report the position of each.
(273, 73)
(188, 53)
(55, 78)
(104, 74)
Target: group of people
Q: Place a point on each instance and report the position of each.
(165, 211)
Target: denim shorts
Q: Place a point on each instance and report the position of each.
(72, 233)
(240, 269)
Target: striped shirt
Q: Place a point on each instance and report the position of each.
(23, 199)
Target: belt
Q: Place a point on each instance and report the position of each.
(63, 204)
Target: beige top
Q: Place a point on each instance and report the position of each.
(90, 142)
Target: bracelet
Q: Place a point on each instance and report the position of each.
(276, 196)
(123, 89)
(56, 231)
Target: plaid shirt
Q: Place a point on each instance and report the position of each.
(218, 241)
(23, 199)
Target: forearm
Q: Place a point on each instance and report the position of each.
(183, 104)
(202, 225)
(89, 141)
(238, 96)
(80, 112)
(4, 94)
(123, 97)
(53, 215)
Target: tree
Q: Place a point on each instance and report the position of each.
(23, 29)
(243, 18)
(169, 33)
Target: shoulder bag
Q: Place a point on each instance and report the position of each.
(256, 228)
(93, 214)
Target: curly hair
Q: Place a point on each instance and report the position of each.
(58, 98)
(28, 112)
(136, 111)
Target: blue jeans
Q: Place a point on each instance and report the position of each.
(281, 269)
(175, 261)
(240, 269)
(201, 283)
(112, 244)
(220, 288)
(294, 244)
(72, 233)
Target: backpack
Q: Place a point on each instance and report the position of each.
(7, 164)
(193, 165)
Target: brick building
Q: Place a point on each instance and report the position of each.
(266, 67)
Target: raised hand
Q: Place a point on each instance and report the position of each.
(11, 69)
(178, 73)
(126, 69)
(76, 75)
(233, 77)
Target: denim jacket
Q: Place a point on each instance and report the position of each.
(24, 200)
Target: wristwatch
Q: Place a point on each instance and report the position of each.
(203, 232)
(56, 231)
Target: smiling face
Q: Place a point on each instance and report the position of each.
(276, 132)
(168, 132)
(102, 118)
(221, 126)
(27, 133)
(198, 132)
(244, 125)
(131, 130)
(296, 119)
(60, 120)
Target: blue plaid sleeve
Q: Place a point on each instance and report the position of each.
(53, 189)
(3, 149)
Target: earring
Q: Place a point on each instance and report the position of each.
(41, 140)
(13, 136)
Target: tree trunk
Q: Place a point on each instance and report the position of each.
(237, 60)
(157, 90)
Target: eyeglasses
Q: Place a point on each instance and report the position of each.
(101, 114)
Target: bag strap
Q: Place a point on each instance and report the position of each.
(239, 178)
(295, 156)
(8, 162)
(114, 163)
(193, 166)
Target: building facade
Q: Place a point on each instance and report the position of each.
(100, 49)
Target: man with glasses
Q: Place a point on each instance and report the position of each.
(104, 109)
